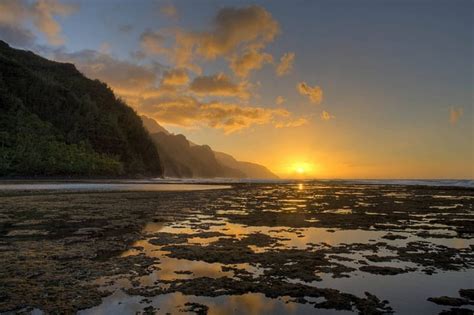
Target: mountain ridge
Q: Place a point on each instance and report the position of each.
(200, 160)
(55, 121)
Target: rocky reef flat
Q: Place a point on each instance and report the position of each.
(261, 248)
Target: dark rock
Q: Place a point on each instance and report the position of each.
(467, 293)
(378, 270)
(457, 311)
(446, 300)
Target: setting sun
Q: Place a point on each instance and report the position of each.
(301, 169)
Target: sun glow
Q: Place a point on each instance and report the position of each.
(301, 169)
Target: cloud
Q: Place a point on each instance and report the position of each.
(231, 117)
(169, 10)
(234, 32)
(218, 85)
(326, 116)
(175, 77)
(152, 42)
(18, 15)
(292, 123)
(178, 110)
(17, 36)
(104, 48)
(455, 114)
(13, 11)
(187, 111)
(250, 60)
(251, 26)
(43, 18)
(315, 93)
(280, 100)
(126, 78)
(139, 86)
(286, 64)
(171, 96)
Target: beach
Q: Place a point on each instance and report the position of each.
(243, 248)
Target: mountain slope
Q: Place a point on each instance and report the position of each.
(55, 121)
(251, 170)
(183, 158)
(152, 126)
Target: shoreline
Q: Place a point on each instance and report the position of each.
(448, 184)
(229, 243)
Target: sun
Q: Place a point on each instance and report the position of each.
(300, 169)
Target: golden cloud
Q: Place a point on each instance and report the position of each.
(13, 11)
(326, 116)
(18, 14)
(234, 30)
(127, 79)
(251, 26)
(455, 114)
(292, 123)
(188, 112)
(175, 77)
(315, 93)
(286, 64)
(280, 100)
(250, 60)
(153, 42)
(176, 110)
(218, 85)
(138, 86)
(237, 34)
(231, 117)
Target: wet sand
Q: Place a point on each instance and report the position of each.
(263, 248)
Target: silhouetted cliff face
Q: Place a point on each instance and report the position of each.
(251, 170)
(152, 126)
(55, 121)
(182, 158)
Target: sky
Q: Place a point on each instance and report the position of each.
(314, 89)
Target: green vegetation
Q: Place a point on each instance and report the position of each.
(55, 121)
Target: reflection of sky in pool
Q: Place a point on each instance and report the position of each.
(406, 292)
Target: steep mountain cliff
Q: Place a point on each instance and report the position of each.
(55, 121)
(152, 126)
(251, 170)
(182, 158)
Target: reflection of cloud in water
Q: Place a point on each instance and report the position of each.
(246, 304)
(300, 202)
